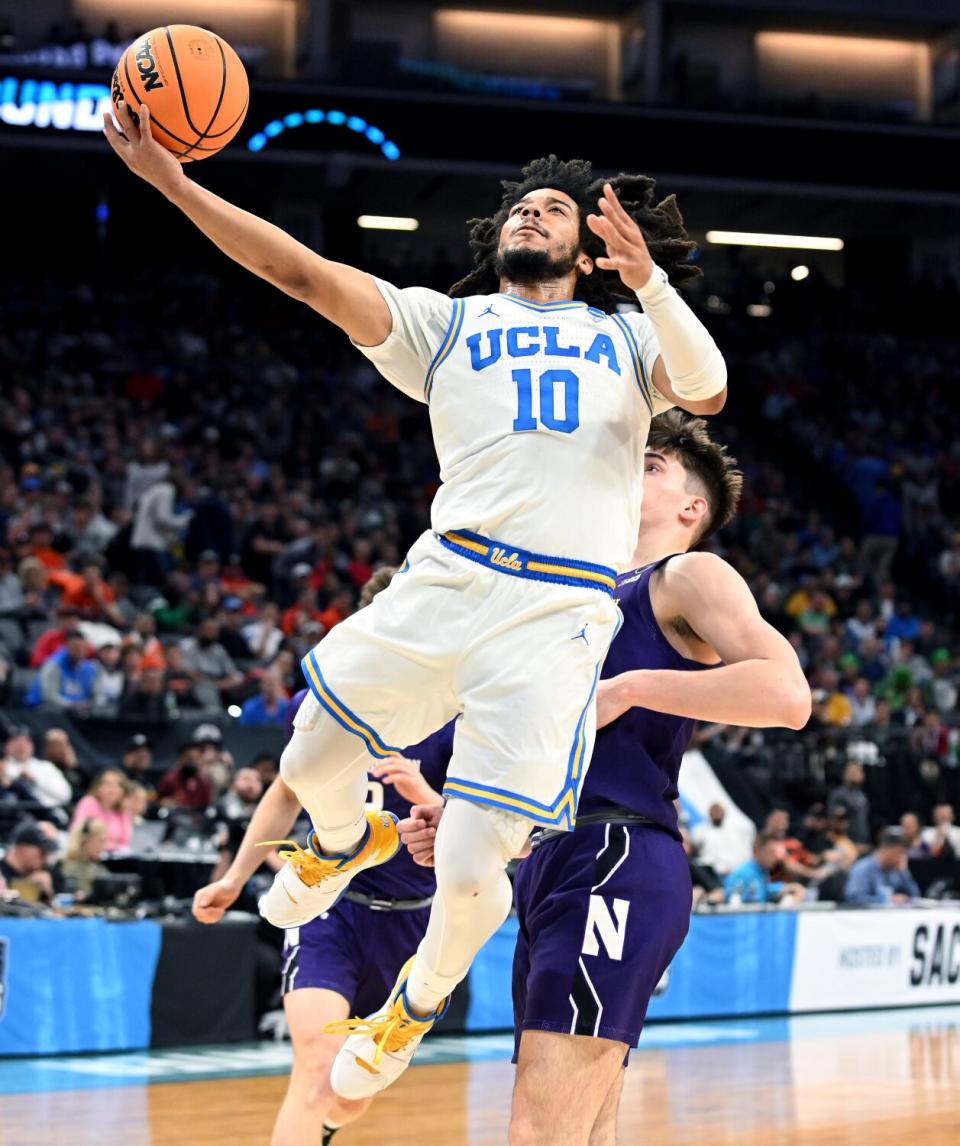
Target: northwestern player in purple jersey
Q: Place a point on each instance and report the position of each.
(345, 961)
(604, 909)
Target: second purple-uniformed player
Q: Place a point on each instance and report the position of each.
(603, 909)
(347, 959)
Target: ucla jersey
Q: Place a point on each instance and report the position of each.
(540, 414)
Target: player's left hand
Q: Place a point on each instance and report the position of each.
(627, 252)
(406, 777)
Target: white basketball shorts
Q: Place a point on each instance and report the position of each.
(512, 640)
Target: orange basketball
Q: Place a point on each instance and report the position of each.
(194, 84)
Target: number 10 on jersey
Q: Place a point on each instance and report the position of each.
(556, 388)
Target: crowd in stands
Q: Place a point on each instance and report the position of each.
(197, 477)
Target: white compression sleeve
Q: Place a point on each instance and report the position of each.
(694, 363)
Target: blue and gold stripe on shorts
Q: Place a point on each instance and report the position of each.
(504, 558)
(341, 714)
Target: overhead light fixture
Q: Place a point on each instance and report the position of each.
(799, 273)
(387, 223)
(760, 239)
(759, 310)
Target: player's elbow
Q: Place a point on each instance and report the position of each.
(712, 405)
(796, 704)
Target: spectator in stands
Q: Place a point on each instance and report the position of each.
(269, 708)
(137, 758)
(882, 717)
(108, 683)
(862, 626)
(843, 852)
(852, 796)
(39, 596)
(11, 592)
(66, 679)
(883, 877)
(58, 749)
(104, 801)
(145, 635)
(156, 525)
(943, 687)
(45, 782)
(149, 696)
(911, 836)
(136, 802)
(244, 795)
(52, 640)
(903, 625)
(210, 666)
(90, 530)
(81, 862)
(813, 831)
(184, 786)
(863, 707)
(719, 843)
(149, 467)
(943, 837)
(264, 636)
(25, 866)
(265, 765)
(930, 738)
(91, 596)
(881, 526)
(179, 679)
(232, 624)
(751, 882)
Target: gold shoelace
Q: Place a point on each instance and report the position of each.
(390, 1032)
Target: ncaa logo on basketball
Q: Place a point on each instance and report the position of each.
(3, 975)
(147, 66)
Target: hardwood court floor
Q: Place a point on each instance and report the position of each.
(867, 1089)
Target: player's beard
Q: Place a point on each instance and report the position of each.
(525, 266)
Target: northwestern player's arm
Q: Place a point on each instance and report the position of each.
(272, 819)
(678, 351)
(348, 297)
(760, 683)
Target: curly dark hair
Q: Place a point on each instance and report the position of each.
(661, 224)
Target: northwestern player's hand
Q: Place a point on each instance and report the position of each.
(627, 252)
(406, 777)
(211, 903)
(140, 151)
(419, 830)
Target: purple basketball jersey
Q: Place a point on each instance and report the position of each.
(401, 878)
(636, 759)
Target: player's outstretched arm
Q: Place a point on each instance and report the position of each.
(760, 683)
(346, 296)
(274, 817)
(689, 371)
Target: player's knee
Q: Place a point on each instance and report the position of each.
(463, 872)
(524, 1130)
(313, 1060)
(344, 1110)
(294, 760)
(315, 1090)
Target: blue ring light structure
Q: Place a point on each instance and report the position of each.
(352, 123)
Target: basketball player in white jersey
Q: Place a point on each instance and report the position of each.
(540, 397)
